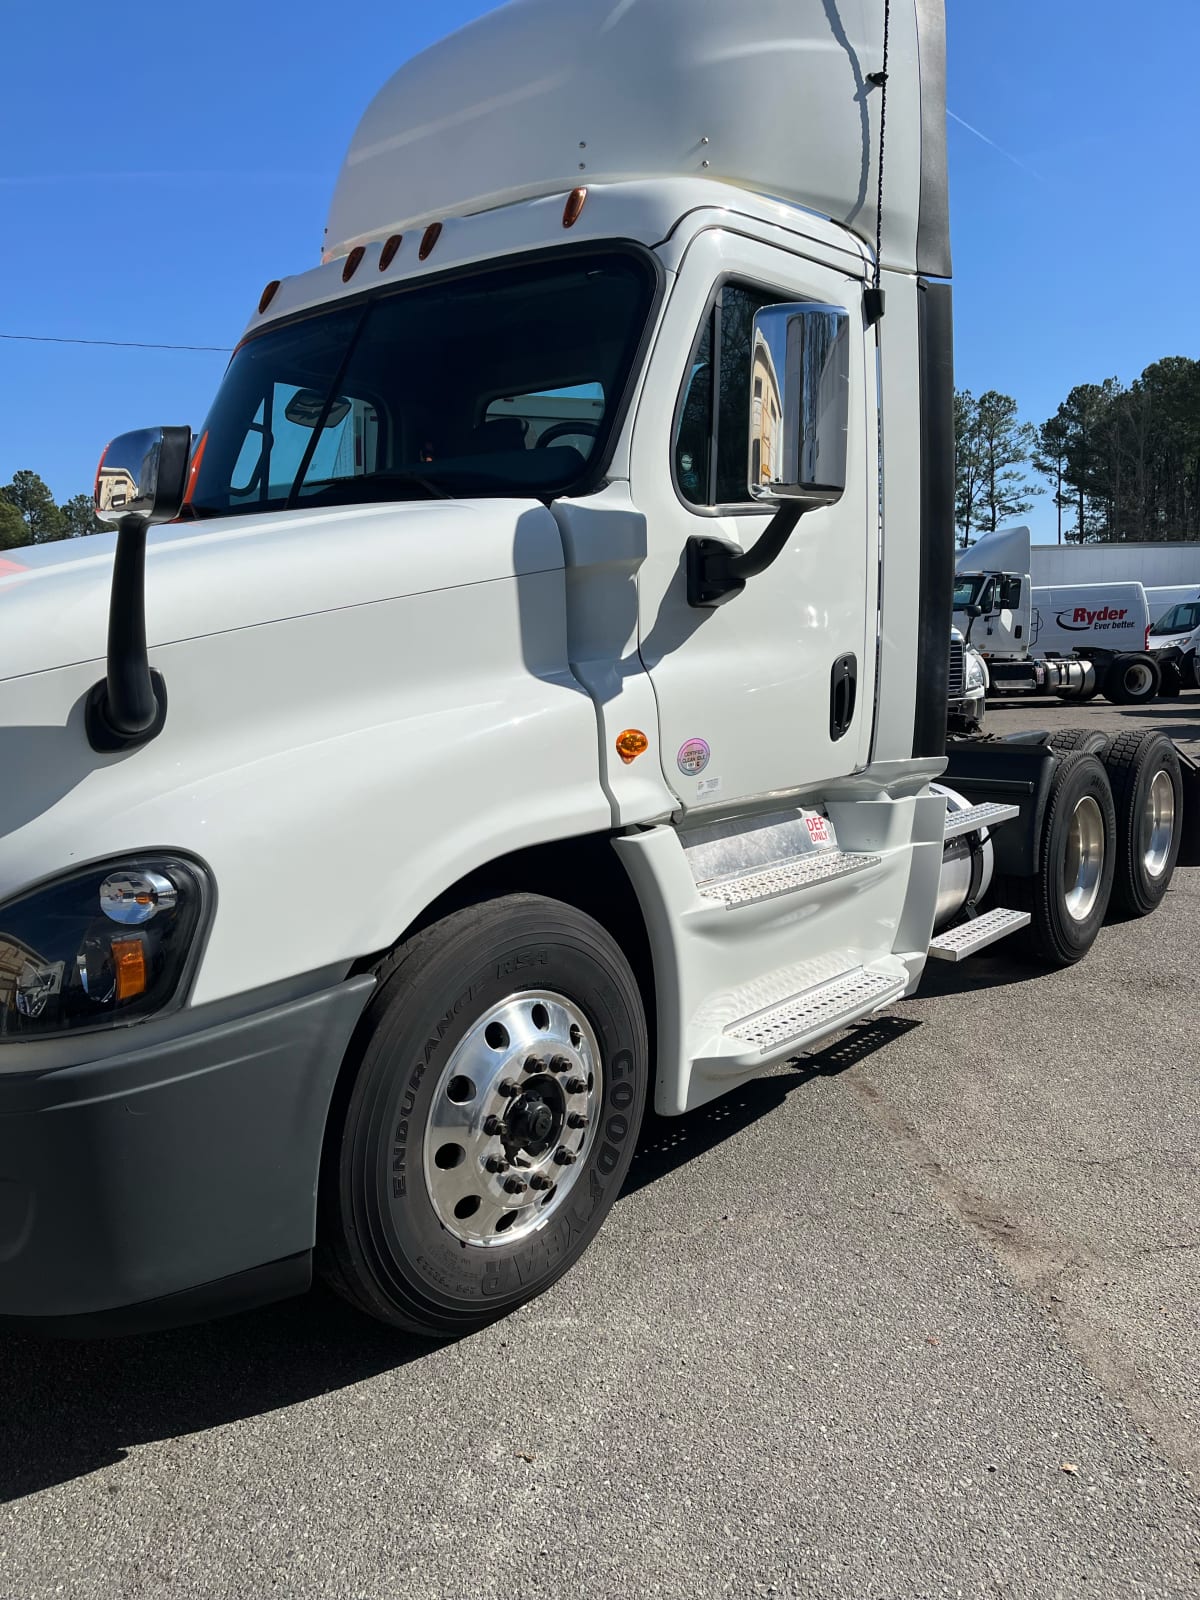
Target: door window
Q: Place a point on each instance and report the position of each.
(712, 438)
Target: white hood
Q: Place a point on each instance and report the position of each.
(240, 572)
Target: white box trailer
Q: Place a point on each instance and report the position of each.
(416, 785)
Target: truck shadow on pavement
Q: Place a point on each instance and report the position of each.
(70, 1409)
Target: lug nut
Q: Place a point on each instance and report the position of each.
(576, 1085)
(560, 1064)
(496, 1164)
(508, 1088)
(535, 1064)
(577, 1120)
(538, 1182)
(564, 1157)
(514, 1186)
(493, 1125)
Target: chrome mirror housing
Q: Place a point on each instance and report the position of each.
(143, 474)
(799, 404)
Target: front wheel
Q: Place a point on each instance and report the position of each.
(1068, 895)
(496, 1093)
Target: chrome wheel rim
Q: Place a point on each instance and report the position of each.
(1158, 824)
(1083, 863)
(1138, 678)
(513, 1118)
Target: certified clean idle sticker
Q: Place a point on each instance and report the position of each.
(693, 757)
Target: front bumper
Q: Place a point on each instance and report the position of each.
(169, 1171)
(968, 712)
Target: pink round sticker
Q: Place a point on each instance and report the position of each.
(693, 757)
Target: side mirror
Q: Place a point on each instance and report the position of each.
(141, 479)
(144, 475)
(799, 404)
(974, 612)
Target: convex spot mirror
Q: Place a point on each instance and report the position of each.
(143, 474)
(799, 404)
(306, 405)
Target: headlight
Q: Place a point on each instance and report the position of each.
(105, 946)
(976, 678)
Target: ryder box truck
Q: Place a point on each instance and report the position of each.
(428, 774)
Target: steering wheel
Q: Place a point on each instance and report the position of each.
(564, 430)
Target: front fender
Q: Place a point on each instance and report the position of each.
(337, 771)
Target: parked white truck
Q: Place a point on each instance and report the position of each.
(1073, 640)
(456, 775)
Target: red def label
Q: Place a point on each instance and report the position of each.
(818, 829)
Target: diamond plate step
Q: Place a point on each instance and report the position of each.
(975, 817)
(818, 1011)
(964, 941)
(766, 883)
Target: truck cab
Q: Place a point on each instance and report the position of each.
(525, 700)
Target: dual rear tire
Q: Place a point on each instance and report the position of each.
(1110, 834)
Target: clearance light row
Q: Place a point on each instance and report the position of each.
(571, 214)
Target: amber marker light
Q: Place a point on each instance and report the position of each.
(129, 961)
(268, 294)
(428, 239)
(352, 262)
(631, 744)
(573, 207)
(388, 254)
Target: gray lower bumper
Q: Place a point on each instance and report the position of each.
(170, 1167)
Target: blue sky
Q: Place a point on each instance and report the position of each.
(156, 209)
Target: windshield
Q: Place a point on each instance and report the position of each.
(502, 382)
(967, 590)
(1180, 619)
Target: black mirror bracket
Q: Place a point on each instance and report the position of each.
(715, 573)
(128, 706)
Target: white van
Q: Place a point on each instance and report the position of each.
(1173, 641)
(1091, 616)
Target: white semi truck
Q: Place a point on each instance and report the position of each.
(1073, 640)
(455, 775)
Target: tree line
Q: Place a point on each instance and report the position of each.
(1120, 461)
(29, 513)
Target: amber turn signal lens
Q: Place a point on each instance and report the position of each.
(631, 744)
(388, 254)
(352, 261)
(267, 295)
(573, 207)
(129, 960)
(428, 239)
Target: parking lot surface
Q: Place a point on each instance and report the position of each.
(912, 1317)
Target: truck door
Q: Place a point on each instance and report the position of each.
(774, 690)
(1006, 629)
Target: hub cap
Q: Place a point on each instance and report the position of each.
(1083, 862)
(1158, 824)
(513, 1118)
(1138, 678)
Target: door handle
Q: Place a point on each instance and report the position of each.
(843, 693)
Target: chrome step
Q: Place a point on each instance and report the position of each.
(818, 1011)
(989, 815)
(766, 883)
(964, 941)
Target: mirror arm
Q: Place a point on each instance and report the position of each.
(715, 573)
(129, 705)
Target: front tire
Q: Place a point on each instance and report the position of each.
(1069, 894)
(497, 1089)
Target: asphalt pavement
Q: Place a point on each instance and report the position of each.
(914, 1317)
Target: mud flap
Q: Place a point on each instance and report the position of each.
(1189, 844)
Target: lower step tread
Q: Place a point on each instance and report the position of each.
(988, 815)
(819, 1010)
